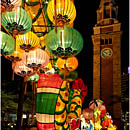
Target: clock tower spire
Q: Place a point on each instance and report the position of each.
(107, 57)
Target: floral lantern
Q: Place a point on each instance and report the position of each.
(21, 69)
(28, 41)
(36, 59)
(17, 22)
(7, 44)
(10, 5)
(66, 42)
(62, 11)
(69, 64)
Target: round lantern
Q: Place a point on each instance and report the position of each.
(66, 42)
(21, 69)
(17, 22)
(28, 41)
(63, 9)
(36, 59)
(10, 5)
(7, 44)
(34, 77)
(97, 104)
(88, 113)
(69, 64)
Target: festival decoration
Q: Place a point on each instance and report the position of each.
(61, 11)
(17, 22)
(67, 65)
(36, 59)
(66, 42)
(74, 124)
(10, 5)
(7, 44)
(28, 41)
(33, 78)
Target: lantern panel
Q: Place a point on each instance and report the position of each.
(34, 77)
(28, 41)
(66, 42)
(17, 22)
(65, 11)
(7, 44)
(36, 59)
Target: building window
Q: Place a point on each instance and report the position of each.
(106, 41)
(102, 41)
(110, 40)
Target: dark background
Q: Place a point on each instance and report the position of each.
(85, 21)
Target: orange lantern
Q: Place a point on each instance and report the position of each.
(69, 64)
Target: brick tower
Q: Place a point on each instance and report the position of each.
(107, 57)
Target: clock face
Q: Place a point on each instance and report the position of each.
(106, 52)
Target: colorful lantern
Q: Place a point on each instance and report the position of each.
(34, 78)
(66, 42)
(69, 64)
(97, 104)
(63, 9)
(17, 22)
(28, 41)
(7, 44)
(36, 59)
(21, 69)
(10, 5)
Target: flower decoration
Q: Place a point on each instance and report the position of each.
(74, 124)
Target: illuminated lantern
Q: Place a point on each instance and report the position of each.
(28, 41)
(7, 44)
(36, 59)
(66, 42)
(69, 64)
(97, 104)
(88, 113)
(48, 89)
(34, 77)
(10, 5)
(65, 11)
(21, 69)
(17, 22)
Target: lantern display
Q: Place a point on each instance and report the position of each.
(17, 22)
(7, 44)
(88, 113)
(21, 69)
(97, 104)
(34, 77)
(69, 64)
(36, 59)
(10, 5)
(15, 56)
(63, 9)
(66, 42)
(28, 41)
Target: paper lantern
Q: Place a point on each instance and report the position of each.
(66, 42)
(69, 64)
(17, 22)
(36, 59)
(7, 44)
(10, 5)
(48, 89)
(88, 113)
(65, 11)
(21, 69)
(28, 41)
(34, 77)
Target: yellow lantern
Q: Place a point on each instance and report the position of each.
(69, 64)
(64, 10)
(28, 41)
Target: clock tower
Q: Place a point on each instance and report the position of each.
(107, 57)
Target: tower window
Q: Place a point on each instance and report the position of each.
(110, 40)
(106, 41)
(102, 41)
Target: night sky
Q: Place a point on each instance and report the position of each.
(84, 22)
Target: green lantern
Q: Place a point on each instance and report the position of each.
(34, 77)
(17, 22)
(66, 42)
(7, 44)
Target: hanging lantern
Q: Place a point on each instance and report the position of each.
(7, 44)
(15, 56)
(10, 5)
(28, 41)
(61, 10)
(21, 69)
(34, 77)
(66, 42)
(17, 22)
(69, 64)
(36, 59)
